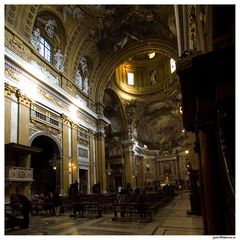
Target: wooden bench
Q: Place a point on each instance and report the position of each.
(42, 208)
(86, 209)
(132, 211)
(12, 222)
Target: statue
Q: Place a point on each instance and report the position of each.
(85, 87)
(79, 80)
(49, 28)
(84, 66)
(153, 77)
(35, 39)
(59, 59)
(72, 11)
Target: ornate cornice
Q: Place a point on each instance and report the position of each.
(11, 74)
(54, 100)
(17, 45)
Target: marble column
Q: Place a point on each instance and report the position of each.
(24, 105)
(11, 114)
(128, 163)
(23, 118)
(141, 172)
(100, 160)
(92, 162)
(65, 161)
(74, 152)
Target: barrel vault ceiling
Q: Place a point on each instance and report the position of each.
(110, 35)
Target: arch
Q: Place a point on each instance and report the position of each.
(60, 39)
(116, 98)
(47, 165)
(111, 61)
(35, 135)
(76, 48)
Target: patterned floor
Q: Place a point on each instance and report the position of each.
(171, 220)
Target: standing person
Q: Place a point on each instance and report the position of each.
(26, 208)
(140, 202)
(75, 187)
(56, 203)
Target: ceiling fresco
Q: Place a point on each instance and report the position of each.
(119, 24)
(162, 132)
(147, 108)
(160, 125)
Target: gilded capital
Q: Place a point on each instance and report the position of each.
(65, 119)
(91, 133)
(9, 90)
(101, 135)
(23, 99)
(74, 125)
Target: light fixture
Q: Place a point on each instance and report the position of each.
(180, 110)
(172, 65)
(186, 151)
(151, 55)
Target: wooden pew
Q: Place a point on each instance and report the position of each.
(132, 211)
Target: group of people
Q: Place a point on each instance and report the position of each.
(22, 206)
(51, 202)
(140, 199)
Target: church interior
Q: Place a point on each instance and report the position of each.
(122, 112)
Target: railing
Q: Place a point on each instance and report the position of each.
(19, 174)
(47, 119)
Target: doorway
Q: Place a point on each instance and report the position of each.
(46, 166)
(83, 181)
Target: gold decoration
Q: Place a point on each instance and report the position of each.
(192, 15)
(17, 46)
(23, 99)
(11, 74)
(91, 133)
(74, 125)
(9, 90)
(32, 130)
(65, 119)
(46, 128)
(53, 99)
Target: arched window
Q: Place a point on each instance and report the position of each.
(130, 78)
(172, 65)
(45, 49)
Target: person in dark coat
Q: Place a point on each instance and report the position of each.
(56, 203)
(26, 208)
(140, 202)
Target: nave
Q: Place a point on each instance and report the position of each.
(172, 219)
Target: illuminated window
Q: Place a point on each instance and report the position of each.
(151, 55)
(172, 65)
(45, 49)
(130, 78)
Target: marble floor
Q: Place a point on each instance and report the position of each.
(172, 219)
